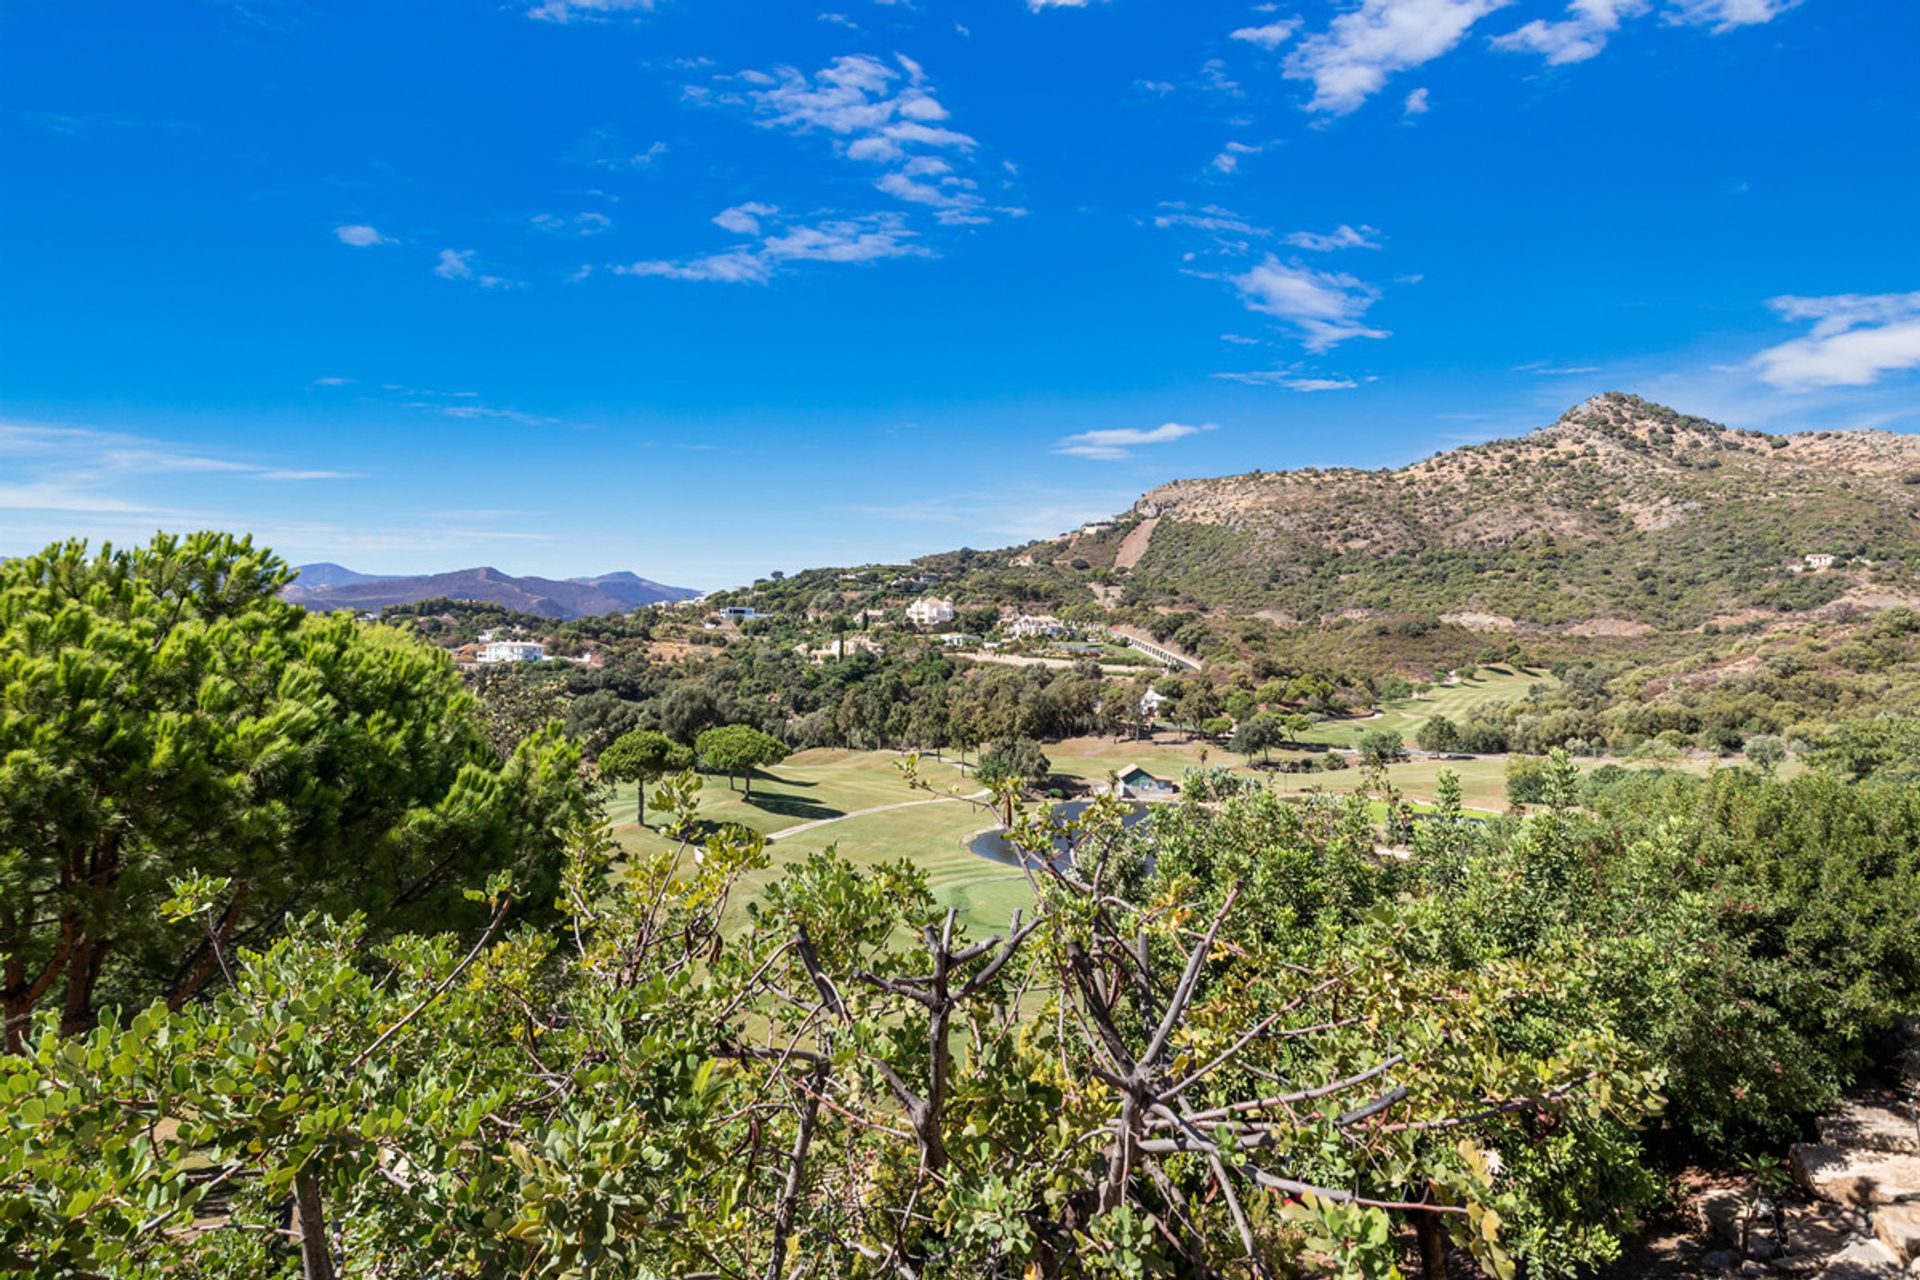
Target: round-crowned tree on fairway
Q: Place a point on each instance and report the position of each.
(1011, 765)
(163, 713)
(640, 756)
(737, 750)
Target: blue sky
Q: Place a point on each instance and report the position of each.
(704, 289)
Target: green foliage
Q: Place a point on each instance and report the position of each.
(1013, 759)
(164, 714)
(640, 756)
(1381, 746)
(737, 750)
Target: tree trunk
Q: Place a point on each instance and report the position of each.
(316, 1252)
(83, 971)
(1433, 1246)
(746, 780)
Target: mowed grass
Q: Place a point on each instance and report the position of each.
(1457, 702)
(932, 831)
(807, 786)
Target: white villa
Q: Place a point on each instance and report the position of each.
(1150, 704)
(1820, 560)
(1029, 624)
(930, 611)
(512, 651)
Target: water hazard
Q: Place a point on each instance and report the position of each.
(993, 844)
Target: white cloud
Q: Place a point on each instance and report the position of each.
(1341, 237)
(586, 10)
(457, 264)
(744, 219)
(580, 224)
(1291, 379)
(1270, 36)
(1582, 34)
(1206, 217)
(361, 237)
(1326, 308)
(1037, 5)
(884, 114)
(1856, 339)
(1416, 104)
(55, 468)
(1725, 15)
(1351, 60)
(864, 239)
(1119, 442)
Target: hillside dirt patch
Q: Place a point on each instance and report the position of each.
(1480, 621)
(1134, 545)
(1616, 627)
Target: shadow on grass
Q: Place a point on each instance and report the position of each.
(791, 806)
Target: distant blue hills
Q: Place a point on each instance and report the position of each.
(328, 586)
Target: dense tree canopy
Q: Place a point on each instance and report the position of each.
(163, 713)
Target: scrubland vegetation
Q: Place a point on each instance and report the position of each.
(323, 958)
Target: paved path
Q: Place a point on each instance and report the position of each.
(784, 832)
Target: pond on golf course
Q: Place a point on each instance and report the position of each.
(992, 844)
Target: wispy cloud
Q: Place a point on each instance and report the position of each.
(58, 468)
(1582, 34)
(1326, 308)
(884, 114)
(1341, 237)
(1416, 103)
(780, 243)
(1228, 160)
(1352, 59)
(1722, 16)
(1291, 378)
(361, 236)
(1120, 442)
(1855, 340)
(457, 264)
(1206, 217)
(579, 224)
(1269, 36)
(586, 10)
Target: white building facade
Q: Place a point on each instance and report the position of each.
(512, 651)
(930, 611)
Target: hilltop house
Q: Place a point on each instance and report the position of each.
(512, 651)
(1135, 783)
(1820, 560)
(1150, 704)
(1042, 624)
(930, 611)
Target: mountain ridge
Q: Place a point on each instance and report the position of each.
(1620, 509)
(334, 586)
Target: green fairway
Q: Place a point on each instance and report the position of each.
(1455, 701)
(808, 786)
(859, 803)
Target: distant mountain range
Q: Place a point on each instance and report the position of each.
(326, 586)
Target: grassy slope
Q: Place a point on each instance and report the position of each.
(1455, 701)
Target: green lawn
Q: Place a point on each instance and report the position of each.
(1455, 701)
(830, 784)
